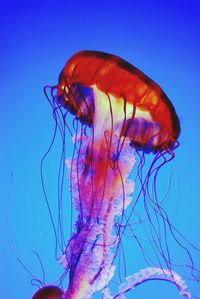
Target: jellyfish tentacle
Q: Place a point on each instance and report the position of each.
(148, 274)
(89, 252)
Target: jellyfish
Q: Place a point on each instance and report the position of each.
(49, 292)
(121, 117)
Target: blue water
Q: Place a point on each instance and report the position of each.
(159, 37)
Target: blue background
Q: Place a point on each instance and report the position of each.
(159, 37)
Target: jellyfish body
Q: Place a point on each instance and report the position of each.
(126, 113)
(124, 109)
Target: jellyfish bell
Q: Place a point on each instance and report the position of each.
(107, 91)
(49, 292)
